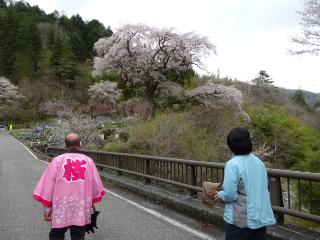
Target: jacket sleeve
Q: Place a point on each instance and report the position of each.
(230, 183)
(45, 187)
(98, 190)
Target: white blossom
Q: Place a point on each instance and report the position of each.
(310, 26)
(105, 92)
(262, 152)
(226, 96)
(8, 91)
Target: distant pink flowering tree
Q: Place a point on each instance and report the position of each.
(209, 95)
(226, 96)
(60, 108)
(130, 108)
(76, 122)
(142, 54)
(8, 91)
(105, 92)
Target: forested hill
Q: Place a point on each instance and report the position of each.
(27, 30)
(310, 97)
(46, 55)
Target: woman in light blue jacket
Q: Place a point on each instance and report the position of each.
(245, 191)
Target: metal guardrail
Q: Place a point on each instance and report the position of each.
(190, 174)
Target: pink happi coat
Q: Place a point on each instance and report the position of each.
(70, 185)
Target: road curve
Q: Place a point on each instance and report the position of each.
(123, 215)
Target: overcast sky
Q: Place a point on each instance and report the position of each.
(250, 35)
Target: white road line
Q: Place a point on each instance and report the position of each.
(44, 161)
(169, 220)
(25, 148)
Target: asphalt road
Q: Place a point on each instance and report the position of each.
(123, 215)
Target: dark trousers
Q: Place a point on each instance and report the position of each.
(76, 233)
(236, 233)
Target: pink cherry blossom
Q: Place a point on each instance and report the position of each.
(59, 107)
(226, 96)
(140, 54)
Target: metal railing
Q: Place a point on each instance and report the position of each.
(190, 174)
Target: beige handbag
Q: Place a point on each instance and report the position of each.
(209, 190)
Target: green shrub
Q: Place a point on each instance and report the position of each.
(197, 134)
(289, 139)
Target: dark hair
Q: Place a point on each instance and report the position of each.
(73, 142)
(239, 141)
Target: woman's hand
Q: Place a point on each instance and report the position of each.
(216, 197)
(46, 216)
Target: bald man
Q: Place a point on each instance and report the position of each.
(68, 189)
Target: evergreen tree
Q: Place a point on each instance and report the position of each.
(93, 31)
(33, 51)
(20, 6)
(299, 98)
(56, 54)
(3, 4)
(51, 39)
(77, 45)
(64, 21)
(262, 88)
(94, 23)
(7, 56)
(67, 64)
(52, 17)
(77, 24)
(263, 79)
(30, 45)
(7, 42)
(22, 31)
(108, 32)
(317, 105)
(92, 38)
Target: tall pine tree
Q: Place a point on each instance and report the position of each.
(7, 45)
(3, 4)
(298, 97)
(30, 46)
(67, 64)
(32, 53)
(51, 39)
(77, 45)
(56, 54)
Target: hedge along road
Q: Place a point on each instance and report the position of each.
(123, 215)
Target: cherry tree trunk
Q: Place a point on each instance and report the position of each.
(150, 106)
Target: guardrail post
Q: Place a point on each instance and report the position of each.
(46, 152)
(99, 161)
(276, 197)
(119, 165)
(146, 170)
(191, 180)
